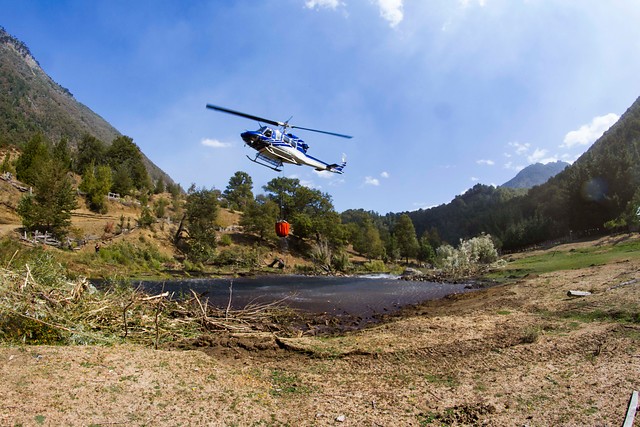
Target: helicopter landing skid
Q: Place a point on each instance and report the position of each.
(268, 163)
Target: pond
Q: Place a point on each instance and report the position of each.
(361, 296)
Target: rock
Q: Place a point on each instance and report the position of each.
(578, 293)
(411, 272)
(341, 418)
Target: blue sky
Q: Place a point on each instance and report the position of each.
(438, 94)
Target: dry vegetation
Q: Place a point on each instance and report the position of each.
(520, 353)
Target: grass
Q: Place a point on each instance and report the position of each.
(557, 260)
(443, 380)
(284, 383)
(629, 314)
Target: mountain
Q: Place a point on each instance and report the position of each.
(31, 102)
(536, 174)
(600, 191)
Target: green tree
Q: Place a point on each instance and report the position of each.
(96, 182)
(426, 253)
(309, 211)
(146, 219)
(259, 217)
(90, 150)
(7, 165)
(174, 190)
(124, 153)
(239, 192)
(367, 240)
(159, 207)
(35, 155)
(121, 182)
(159, 187)
(62, 154)
(201, 213)
(405, 235)
(49, 207)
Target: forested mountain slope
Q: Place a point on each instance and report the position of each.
(31, 102)
(602, 188)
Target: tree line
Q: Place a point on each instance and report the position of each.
(47, 168)
(599, 193)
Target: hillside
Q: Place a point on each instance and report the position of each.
(535, 174)
(598, 192)
(31, 102)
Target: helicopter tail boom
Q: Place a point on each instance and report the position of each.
(336, 168)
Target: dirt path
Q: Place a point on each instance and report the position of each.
(512, 355)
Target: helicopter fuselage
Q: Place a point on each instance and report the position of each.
(276, 148)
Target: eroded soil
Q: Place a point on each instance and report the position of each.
(510, 355)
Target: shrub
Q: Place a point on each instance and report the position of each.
(375, 266)
(225, 240)
(470, 256)
(340, 261)
(239, 257)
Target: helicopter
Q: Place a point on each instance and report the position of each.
(277, 146)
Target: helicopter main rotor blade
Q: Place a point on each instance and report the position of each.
(272, 122)
(245, 115)
(322, 131)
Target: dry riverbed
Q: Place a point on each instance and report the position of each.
(510, 355)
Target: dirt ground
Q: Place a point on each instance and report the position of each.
(510, 355)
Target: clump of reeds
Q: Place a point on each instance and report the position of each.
(39, 304)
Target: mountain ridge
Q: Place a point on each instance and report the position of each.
(535, 174)
(32, 102)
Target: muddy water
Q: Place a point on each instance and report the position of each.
(362, 296)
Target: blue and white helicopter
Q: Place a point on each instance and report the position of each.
(277, 146)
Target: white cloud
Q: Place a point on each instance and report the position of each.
(587, 134)
(391, 11)
(540, 156)
(368, 180)
(324, 174)
(537, 155)
(569, 158)
(485, 162)
(467, 3)
(519, 147)
(214, 143)
(309, 184)
(319, 4)
(384, 174)
(475, 179)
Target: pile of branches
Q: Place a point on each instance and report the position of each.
(39, 305)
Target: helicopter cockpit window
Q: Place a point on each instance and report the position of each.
(267, 133)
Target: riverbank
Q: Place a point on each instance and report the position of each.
(519, 353)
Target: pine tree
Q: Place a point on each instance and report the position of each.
(49, 207)
(405, 235)
(239, 191)
(33, 158)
